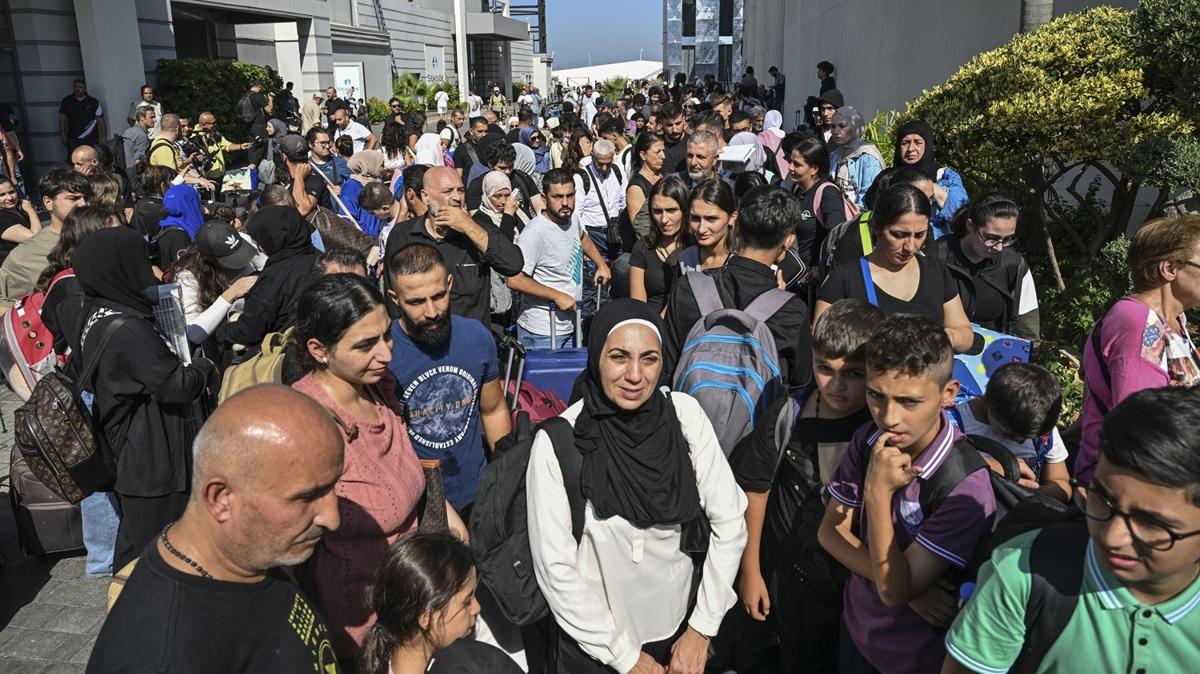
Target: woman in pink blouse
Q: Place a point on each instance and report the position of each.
(342, 345)
(1143, 342)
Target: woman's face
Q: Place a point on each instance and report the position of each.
(667, 215)
(655, 157)
(1186, 286)
(639, 124)
(803, 173)
(500, 198)
(900, 241)
(8, 196)
(630, 365)
(457, 619)
(445, 145)
(841, 130)
(990, 238)
(912, 148)
(709, 223)
(362, 354)
(536, 140)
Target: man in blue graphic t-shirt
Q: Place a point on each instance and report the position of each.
(447, 374)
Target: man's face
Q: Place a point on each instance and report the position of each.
(701, 161)
(673, 128)
(654, 99)
(61, 204)
(85, 162)
(424, 301)
(740, 126)
(908, 408)
(280, 514)
(758, 122)
(330, 93)
(148, 94)
(322, 147)
(79, 89)
(341, 118)
(603, 163)
(560, 201)
(456, 118)
(478, 131)
(207, 123)
(185, 127)
(503, 167)
(725, 110)
(149, 118)
(443, 190)
(827, 111)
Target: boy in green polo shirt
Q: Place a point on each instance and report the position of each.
(1136, 609)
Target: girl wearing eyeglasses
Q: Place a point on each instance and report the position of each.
(994, 281)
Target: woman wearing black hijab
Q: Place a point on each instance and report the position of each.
(144, 395)
(659, 497)
(284, 236)
(915, 147)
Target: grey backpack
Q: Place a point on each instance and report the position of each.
(729, 362)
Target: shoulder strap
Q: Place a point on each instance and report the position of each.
(765, 305)
(570, 461)
(962, 460)
(864, 232)
(90, 364)
(1104, 373)
(1056, 579)
(334, 193)
(587, 182)
(784, 424)
(599, 190)
(704, 289)
(868, 281)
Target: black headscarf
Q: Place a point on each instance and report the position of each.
(635, 463)
(113, 270)
(281, 232)
(928, 164)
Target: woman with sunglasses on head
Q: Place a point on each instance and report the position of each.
(994, 281)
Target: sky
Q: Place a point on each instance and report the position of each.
(610, 30)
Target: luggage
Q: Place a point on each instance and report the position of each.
(27, 340)
(524, 397)
(264, 367)
(46, 523)
(556, 369)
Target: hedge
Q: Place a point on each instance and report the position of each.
(191, 86)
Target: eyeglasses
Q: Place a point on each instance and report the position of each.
(322, 142)
(993, 241)
(1191, 264)
(1145, 530)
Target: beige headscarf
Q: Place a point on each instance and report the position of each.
(367, 163)
(493, 182)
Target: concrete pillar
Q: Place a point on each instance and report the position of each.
(106, 61)
(316, 54)
(287, 56)
(460, 48)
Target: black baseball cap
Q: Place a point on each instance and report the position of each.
(217, 240)
(294, 147)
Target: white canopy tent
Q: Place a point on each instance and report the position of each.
(633, 70)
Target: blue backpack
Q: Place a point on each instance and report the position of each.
(730, 363)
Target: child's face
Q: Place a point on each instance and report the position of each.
(842, 384)
(909, 408)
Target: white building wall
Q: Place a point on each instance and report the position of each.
(411, 26)
(522, 61)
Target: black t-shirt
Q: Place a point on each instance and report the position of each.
(674, 156)
(935, 288)
(9, 219)
(169, 621)
(797, 502)
(658, 273)
(315, 187)
(258, 125)
(813, 226)
(147, 213)
(81, 118)
(462, 158)
(170, 243)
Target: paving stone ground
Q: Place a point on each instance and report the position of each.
(50, 612)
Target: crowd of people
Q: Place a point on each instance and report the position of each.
(765, 465)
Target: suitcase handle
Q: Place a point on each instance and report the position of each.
(554, 327)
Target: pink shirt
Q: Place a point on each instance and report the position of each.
(381, 484)
(1141, 352)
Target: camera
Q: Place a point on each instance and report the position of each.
(195, 147)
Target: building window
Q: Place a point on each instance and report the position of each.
(726, 18)
(688, 62)
(725, 63)
(689, 18)
(343, 12)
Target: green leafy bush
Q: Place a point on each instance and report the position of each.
(192, 86)
(1167, 35)
(377, 110)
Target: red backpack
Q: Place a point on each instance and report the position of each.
(849, 209)
(27, 340)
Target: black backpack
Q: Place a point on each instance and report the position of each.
(245, 109)
(500, 519)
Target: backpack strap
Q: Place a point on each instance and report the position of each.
(767, 304)
(570, 461)
(1056, 581)
(865, 266)
(789, 412)
(704, 288)
(962, 460)
(90, 364)
(587, 182)
(864, 233)
(1104, 372)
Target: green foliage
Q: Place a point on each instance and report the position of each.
(412, 92)
(1068, 315)
(1068, 91)
(1167, 34)
(1169, 163)
(192, 86)
(613, 88)
(879, 132)
(377, 110)
(446, 86)
(1066, 368)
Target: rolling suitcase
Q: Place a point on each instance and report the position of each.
(556, 369)
(524, 397)
(46, 523)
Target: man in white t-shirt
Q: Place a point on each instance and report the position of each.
(589, 101)
(474, 105)
(443, 102)
(343, 125)
(525, 100)
(553, 245)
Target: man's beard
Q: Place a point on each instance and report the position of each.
(434, 332)
(697, 176)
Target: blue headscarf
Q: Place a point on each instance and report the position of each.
(542, 153)
(182, 204)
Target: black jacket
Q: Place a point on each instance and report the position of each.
(520, 181)
(1006, 274)
(145, 402)
(269, 304)
(471, 295)
(62, 312)
(740, 282)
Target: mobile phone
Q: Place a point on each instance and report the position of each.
(517, 193)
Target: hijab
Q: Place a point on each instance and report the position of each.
(526, 161)
(281, 232)
(182, 204)
(492, 183)
(855, 120)
(541, 153)
(635, 463)
(773, 123)
(368, 163)
(113, 270)
(429, 150)
(928, 162)
(758, 158)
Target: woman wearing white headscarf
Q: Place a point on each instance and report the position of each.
(501, 208)
(757, 160)
(854, 162)
(429, 150)
(772, 139)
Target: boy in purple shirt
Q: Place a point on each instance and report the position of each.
(901, 597)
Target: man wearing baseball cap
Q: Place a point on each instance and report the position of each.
(307, 186)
